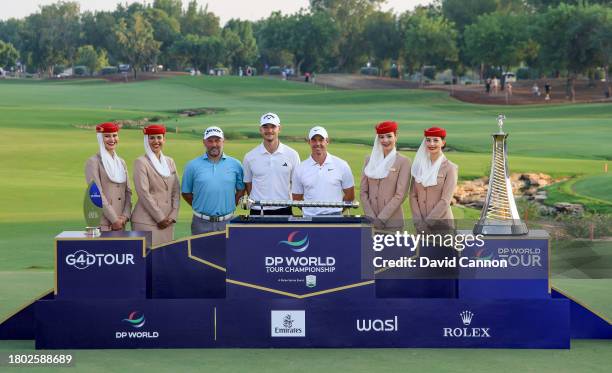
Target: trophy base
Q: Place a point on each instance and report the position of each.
(92, 231)
(489, 227)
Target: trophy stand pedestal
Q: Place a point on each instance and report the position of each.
(92, 231)
(491, 227)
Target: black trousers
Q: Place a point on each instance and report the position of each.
(281, 211)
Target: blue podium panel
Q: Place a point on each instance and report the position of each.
(110, 266)
(527, 274)
(294, 323)
(191, 268)
(133, 323)
(296, 261)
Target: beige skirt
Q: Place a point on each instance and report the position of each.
(159, 236)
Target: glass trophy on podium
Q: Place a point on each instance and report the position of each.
(92, 210)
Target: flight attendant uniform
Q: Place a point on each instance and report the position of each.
(158, 191)
(109, 172)
(385, 182)
(433, 186)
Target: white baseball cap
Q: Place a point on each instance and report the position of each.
(213, 131)
(269, 118)
(317, 130)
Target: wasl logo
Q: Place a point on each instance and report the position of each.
(378, 325)
(135, 319)
(294, 244)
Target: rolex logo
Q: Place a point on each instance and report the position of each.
(464, 332)
(466, 317)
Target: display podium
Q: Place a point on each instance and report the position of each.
(287, 283)
(106, 267)
(282, 282)
(527, 275)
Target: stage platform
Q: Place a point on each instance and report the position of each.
(288, 284)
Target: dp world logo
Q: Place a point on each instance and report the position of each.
(135, 319)
(296, 244)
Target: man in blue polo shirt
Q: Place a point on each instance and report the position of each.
(212, 185)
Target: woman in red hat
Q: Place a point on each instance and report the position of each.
(157, 186)
(109, 172)
(434, 179)
(385, 178)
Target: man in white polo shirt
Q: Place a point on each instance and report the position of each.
(322, 177)
(268, 168)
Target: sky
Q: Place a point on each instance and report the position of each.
(225, 9)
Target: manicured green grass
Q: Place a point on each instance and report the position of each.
(566, 192)
(596, 186)
(544, 131)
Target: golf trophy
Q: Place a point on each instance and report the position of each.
(247, 203)
(499, 215)
(92, 210)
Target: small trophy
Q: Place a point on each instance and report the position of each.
(92, 210)
(499, 215)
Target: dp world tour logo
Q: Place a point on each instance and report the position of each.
(135, 319)
(294, 244)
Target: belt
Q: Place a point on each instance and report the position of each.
(213, 218)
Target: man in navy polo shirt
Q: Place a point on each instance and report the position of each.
(212, 185)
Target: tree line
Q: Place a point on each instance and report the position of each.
(559, 37)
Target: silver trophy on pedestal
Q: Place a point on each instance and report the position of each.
(499, 215)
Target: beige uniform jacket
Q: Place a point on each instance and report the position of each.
(433, 202)
(116, 198)
(383, 198)
(158, 199)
